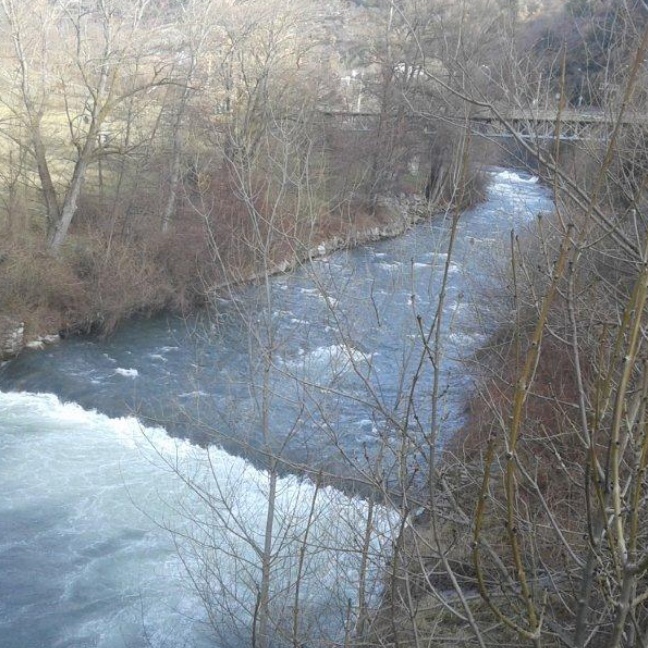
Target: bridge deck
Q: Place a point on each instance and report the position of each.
(584, 117)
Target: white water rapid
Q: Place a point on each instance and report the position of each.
(87, 554)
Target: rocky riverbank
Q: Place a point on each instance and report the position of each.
(12, 337)
(404, 212)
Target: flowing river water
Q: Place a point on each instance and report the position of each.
(130, 463)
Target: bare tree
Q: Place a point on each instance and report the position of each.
(547, 488)
(69, 80)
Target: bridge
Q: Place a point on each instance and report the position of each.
(532, 124)
(546, 124)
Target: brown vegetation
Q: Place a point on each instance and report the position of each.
(521, 517)
(112, 268)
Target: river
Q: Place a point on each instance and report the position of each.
(120, 458)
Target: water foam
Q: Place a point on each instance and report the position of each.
(127, 373)
(100, 509)
(513, 176)
(333, 360)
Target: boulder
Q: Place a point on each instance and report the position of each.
(12, 337)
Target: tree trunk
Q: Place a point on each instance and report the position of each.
(68, 211)
(53, 212)
(174, 181)
(266, 564)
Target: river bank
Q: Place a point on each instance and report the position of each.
(513, 543)
(42, 319)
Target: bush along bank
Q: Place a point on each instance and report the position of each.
(97, 281)
(530, 529)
